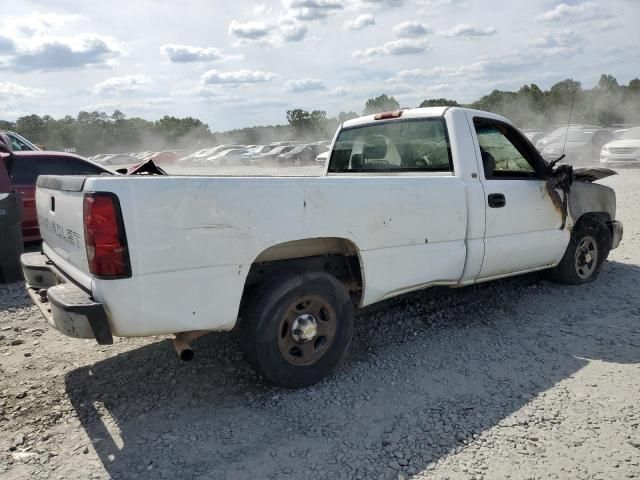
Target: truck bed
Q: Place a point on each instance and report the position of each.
(192, 240)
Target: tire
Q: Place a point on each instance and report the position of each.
(296, 329)
(587, 250)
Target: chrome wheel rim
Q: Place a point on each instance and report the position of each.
(586, 257)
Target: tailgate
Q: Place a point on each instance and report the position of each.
(59, 204)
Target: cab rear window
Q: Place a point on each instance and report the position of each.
(413, 145)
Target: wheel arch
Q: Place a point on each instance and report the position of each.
(592, 217)
(337, 256)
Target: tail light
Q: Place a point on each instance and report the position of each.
(105, 237)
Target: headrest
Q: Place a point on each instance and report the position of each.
(375, 148)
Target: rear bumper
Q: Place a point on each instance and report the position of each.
(66, 307)
(616, 233)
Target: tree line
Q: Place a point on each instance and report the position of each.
(607, 103)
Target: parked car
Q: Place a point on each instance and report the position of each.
(301, 155)
(23, 169)
(582, 145)
(271, 156)
(533, 135)
(323, 158)
(200, 156)
(232, 156)
(258, 150)
(167, 157)
(293, 256)
(625, 150)
(19, 143)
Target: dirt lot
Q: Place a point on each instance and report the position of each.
(519, 378)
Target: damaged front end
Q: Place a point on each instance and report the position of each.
(574, 194)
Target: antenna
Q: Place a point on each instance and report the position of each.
(566, 135)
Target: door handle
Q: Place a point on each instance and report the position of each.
(497, 200)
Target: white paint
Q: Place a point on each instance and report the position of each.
(192, 240)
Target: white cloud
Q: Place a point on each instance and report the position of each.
(411, 29)
(188, 54)
(340, 91)
(532, 57)
(381, 3)
(261, 9)
(122, 85)
(464, 30)
(250, 30)
(395, 47)
(311, 9)
(292, 32)
(420, 74)
(271, 33)
(59, 53)
(28, 43)
(438, 87)
(10, 91)
(360, 22)
(399, 88)
(304, 85)
(576, 12)
(234, 78)
(39, 23)
(6, 44)
(438, 3)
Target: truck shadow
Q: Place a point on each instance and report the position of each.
(426, 372)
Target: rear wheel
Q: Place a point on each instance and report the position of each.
(297, 328)
(587, 250)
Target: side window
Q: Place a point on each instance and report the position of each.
(22, 171)
(396, 145)
(17, 145)
(503, 153)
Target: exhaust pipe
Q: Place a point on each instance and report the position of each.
(182, 343)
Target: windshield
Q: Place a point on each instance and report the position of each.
(575, 134)
(19, 143)
(231, 152)
(580, 135)
(298, 149)
(283, 149)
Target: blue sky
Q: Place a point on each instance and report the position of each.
(243, 63)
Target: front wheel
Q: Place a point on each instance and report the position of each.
(587, 250)
(297, 328)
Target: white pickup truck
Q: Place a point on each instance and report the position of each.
(409, 199)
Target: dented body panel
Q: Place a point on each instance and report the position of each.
(193, 241)
(587, 197)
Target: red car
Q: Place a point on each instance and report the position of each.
(21, 172)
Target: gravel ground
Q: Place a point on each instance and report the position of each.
(518, 378)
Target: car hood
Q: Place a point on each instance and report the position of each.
(587, 174)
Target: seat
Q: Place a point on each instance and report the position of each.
(374, 149)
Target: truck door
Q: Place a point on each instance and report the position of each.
(522, 224)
